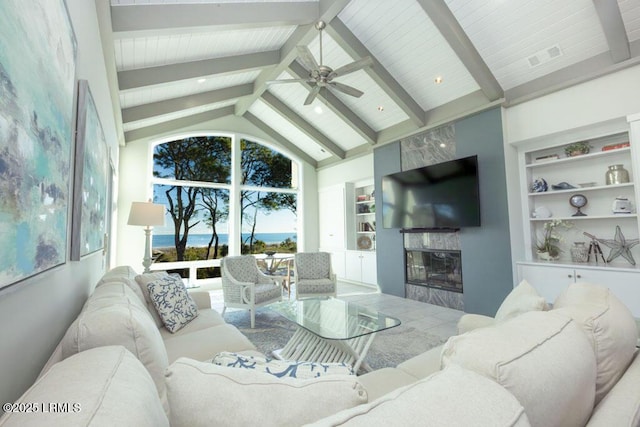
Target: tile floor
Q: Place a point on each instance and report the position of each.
(436, 320)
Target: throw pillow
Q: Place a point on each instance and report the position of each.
(172, 302)
(199, 393)
(521, 299)
(143, 280)
(281, 368)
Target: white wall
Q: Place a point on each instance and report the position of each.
(35, 313)
(354, 170)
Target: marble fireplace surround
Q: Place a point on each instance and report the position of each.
(431, 147)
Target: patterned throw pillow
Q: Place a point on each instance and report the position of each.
(173, 303)
(281, 368)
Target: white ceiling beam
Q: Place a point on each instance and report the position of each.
(176, 124)
(337, 106)
(132, 21)
(611, 20)
(164, 74)
(303, 35)
(281, 140)
(448, 25)
(168, 106)
(354, 47)
(304, 126)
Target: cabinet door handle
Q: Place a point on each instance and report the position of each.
(578, 276)
(569, 276)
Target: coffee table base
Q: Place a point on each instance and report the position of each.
(308, 347)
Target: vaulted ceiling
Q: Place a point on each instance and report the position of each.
(184, 62)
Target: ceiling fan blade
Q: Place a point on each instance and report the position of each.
(273, 82)
(345, 89)
(354, 66)
(312, 95)
(307, 59)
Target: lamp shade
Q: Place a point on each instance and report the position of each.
(146, 213)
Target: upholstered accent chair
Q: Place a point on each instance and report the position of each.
(245, 286)
(314, 275)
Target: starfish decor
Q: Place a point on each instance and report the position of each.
(620, 246)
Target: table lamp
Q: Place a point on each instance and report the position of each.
(146, 214)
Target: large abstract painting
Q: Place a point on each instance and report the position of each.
(37, 82)
(92, 178)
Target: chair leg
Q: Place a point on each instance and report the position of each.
(223, 310)
(253, 318)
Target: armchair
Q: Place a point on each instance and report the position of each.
(314, 275)
(245, 286)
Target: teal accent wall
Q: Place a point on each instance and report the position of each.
(486, 250)
(389, 242)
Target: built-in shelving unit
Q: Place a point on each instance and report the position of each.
(547, 161)
(365, 218)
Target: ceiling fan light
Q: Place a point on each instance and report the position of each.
(318, 109)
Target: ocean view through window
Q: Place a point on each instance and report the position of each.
(223, 195)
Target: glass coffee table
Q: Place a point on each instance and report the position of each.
(331, 330)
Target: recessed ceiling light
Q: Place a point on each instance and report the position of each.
(438, 80)
(442, 144)
(318, 109)
(202, 80)
(380, 108)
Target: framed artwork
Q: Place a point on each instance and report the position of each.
(37, 95)
(91, 179)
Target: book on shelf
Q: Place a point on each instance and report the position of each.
(546, 158)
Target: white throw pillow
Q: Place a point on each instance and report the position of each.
(543, 358)
(281, 368)
(172, 302)
(609, 325)
(523, 298)
(453, 397)
(204, 394)
(143, 280)
(104, 386)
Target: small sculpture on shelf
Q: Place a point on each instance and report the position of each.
(619, 246)
(578, 201)
(539, 185)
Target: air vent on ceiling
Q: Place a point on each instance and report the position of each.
(544, 56)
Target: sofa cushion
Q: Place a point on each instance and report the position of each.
(104, 386)
(172, 302)
(206, 319)
(201, 393)
(385, 380)
(122, 274)
(424, 364)
(281, 368)
(108, 321)
(143, 280)
(521, 299)
(621, 406)
(204, 344)
(116, 291)
(449, 398)
(609, 325)
(543, 358)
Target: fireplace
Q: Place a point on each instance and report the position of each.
(440, 269)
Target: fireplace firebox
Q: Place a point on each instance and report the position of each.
(441, 269)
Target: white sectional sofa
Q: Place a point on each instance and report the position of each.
(574, 365)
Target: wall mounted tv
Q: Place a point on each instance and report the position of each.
(439, 197)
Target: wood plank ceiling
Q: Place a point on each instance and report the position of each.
(184, 62)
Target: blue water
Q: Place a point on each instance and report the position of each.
(200, 240)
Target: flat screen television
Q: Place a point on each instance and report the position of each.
(440, 196)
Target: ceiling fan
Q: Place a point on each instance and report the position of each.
(321, 75)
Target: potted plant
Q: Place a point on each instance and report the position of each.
(548, 248)
(577, 148)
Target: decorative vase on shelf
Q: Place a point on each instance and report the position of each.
(579, 252)
(617, 174)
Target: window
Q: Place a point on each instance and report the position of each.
(208, 184)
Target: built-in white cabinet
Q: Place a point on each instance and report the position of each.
(551, 279)
(361, 267)
(347, 230)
